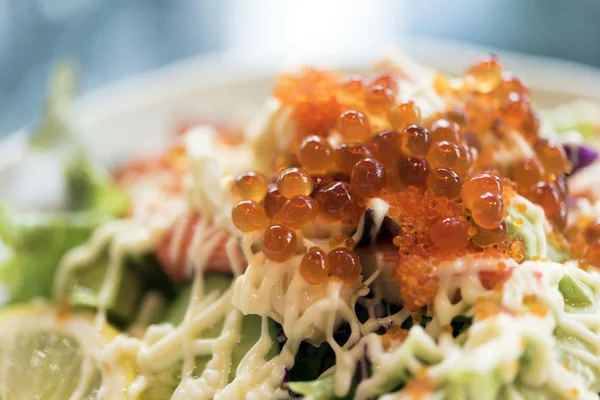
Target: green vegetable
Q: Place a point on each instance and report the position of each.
(212, 282)
(91, 188)
(578, 296)
(587, 373)
(320, 389)
(37, 241)
(478, 385)
(84, 285)
(528, 392)
(54, 128)
(163, 384)
(519, 225)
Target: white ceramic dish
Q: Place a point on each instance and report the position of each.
(137, 115)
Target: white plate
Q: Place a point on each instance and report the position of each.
(137, 115)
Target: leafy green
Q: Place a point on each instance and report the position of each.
(484, 385)
(37, 242)
(83, 287)
(91, 188)
(587, 373)
(460, 324)
(319, 389)
(163, 384)
(177, 309)
(54, 128)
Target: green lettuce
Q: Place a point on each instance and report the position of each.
(38, 240)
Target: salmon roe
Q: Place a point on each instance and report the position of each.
(335, 201)
(415, 141)
(297, 212)
(485, 75)
(385, 147)
(404, 114)
(315, 154)
(450, 234)
(445, 129)
(479, 184)
(413, 171)
(444, 154)
(444, 182)
(273, 201)
(314, 266)
(294, 182)
(368, 177)
(248, 216)
(279, 243)
(251, 185)
(448, 175)
(344, 265)
(488, 210)
(354, 126)
(348, 154)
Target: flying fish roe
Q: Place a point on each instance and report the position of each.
(311, 96)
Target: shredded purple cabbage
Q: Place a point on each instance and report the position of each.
(389, 229)
(280, 334)
(580, 155)
(286, 379)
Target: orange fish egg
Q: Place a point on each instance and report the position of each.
(444, 182)
(479, 184)
(450, 234)
(315, 154)
(250, 185)
(488, 210)
(415, 141)
(385, 147)
(348, 154)
(248, 216)
(368, 177)
(297, 212)
(314, 267)
(273, 201)
(404, 114)
(354, 126)
(294, 182)
(279, 243)
(345, 265)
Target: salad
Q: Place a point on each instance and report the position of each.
(400, 234)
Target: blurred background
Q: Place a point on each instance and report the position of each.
(113, 39)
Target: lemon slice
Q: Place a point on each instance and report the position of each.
(47, 354)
